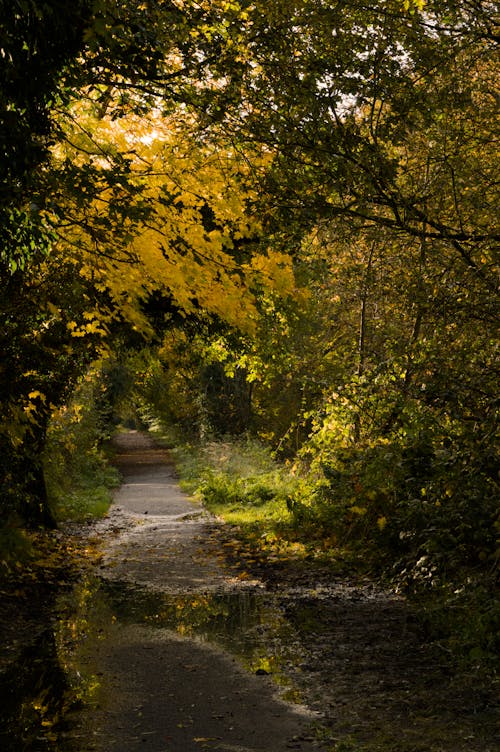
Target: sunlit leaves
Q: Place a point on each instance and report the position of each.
(163, 212)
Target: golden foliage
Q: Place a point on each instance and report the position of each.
(169, 223)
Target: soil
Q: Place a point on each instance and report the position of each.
(180, 642)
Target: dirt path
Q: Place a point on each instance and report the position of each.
(187, 648)
(163, 688)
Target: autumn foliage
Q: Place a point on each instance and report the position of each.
(281, 217)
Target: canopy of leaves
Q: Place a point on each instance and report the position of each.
(175, 169)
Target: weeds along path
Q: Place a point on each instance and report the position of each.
(159, 626)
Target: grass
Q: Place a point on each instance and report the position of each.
(238, 481)
(79, 484)
(78, 474)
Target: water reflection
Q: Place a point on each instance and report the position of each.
(60, 675)
(248, 624)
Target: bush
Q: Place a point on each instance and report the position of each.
(238, 480)
(418, 506)
(77, 472)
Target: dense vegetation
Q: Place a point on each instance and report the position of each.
(264, 219)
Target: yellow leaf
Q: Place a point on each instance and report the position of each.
(35, 394)
(361, 511)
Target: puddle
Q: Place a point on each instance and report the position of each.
(248, 624)
(61, 679)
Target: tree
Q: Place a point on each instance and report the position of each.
(380, 139)
(369, 132)
(134, 206)
(38, 40)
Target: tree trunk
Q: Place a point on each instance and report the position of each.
(23, 492)
(35, 508)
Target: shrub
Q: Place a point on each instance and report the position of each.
(238, 479)
(77, 473)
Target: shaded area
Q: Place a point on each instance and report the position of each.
(34, 691)
(161, 692)
(377, 680)
(140, 658)
(33, 698)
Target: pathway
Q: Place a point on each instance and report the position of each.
(162, 686)
(180, 652)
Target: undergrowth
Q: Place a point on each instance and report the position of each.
(78, 475)
(239, 481)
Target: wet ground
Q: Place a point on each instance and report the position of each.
(170, 645)
(170, 633)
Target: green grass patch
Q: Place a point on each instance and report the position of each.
(82, 503)
(238, 481)
(80, 484)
